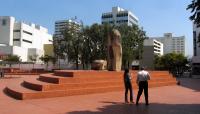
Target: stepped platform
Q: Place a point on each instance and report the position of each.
(78, 82)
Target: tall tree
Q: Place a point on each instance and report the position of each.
(33, 58)
(132, 43)
(46, 59)
(195, 10)
(73, 37)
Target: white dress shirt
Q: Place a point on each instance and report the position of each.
(143, 76)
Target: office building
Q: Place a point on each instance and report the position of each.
(119, 16)
(61, 25)
(172, 44)
(22, 39)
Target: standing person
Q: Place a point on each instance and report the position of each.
(142, 81)
(128, 86)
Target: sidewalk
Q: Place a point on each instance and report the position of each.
(183, 99)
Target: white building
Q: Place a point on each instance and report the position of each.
(61, 25)
(119, 16)
(151, 48)
(22, 39)
(172, 44)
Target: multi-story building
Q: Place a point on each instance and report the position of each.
(151, 48)
(61, 25)
(22, 39)
(196, 50)
(119, 16)
(172, 44)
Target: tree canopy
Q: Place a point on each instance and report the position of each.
(86, 44)
(12, 58)
(172, 62)
(195, 10)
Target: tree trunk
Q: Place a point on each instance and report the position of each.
(83, 65)
(128, 64)
(77, 64)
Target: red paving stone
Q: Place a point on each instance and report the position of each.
(183, 99)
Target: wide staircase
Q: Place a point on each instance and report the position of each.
(79, 82)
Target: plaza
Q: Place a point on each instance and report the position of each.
(99, 57)
(176, 99)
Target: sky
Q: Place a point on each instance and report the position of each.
(155, 16)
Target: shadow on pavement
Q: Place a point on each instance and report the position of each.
(153, 108)
(190, 83)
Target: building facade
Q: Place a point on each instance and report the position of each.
(196, 50)
(196, 40)
(22, 39)
(119, 16)
(172, 44)
(151, 48)
(61, 25)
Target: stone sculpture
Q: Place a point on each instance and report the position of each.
(114, 51)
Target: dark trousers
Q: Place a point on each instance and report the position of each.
(128, 87)
(1, 74)
(143, 85)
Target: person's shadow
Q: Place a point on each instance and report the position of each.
(153, 108)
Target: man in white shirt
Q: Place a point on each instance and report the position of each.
(142, 81)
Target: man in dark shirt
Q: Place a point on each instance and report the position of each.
(128, 86)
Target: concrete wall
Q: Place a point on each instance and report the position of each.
(49, 50)
(195, 42)
(148, 57)
(6, 31)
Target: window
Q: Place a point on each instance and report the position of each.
(111, 22)
(27, 41)
(16, 30)
(122, 21)
(16, 39)
(3, 22)
(107, 16)
(27, 32)
(133, 19)
(122, 14)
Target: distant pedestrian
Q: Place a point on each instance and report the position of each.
(128, 86)
(142, 81)
(1, 72)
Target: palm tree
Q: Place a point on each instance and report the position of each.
(195, 9)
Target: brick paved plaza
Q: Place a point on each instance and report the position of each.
(183, 99)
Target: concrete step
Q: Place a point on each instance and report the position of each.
(79, 83)
(94, 73)
(57, 79)
(22, 94)
(42, 86)
(19, 92)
